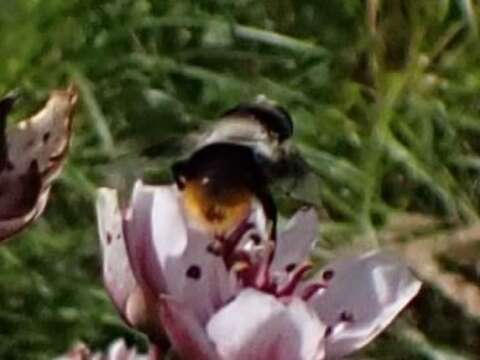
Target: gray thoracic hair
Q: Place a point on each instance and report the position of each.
(261, 125)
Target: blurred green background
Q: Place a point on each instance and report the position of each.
(386, 101)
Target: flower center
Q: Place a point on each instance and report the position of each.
(250, 258)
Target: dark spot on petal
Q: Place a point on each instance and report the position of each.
(328, 331)
(46, 136)
(328, 275)
(194, 272)
(290, 267)
(255, 238)
(346, 316)
(109, 238)
(119, 236)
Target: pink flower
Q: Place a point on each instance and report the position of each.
(248, 299)
(118, 350)
(32, 154)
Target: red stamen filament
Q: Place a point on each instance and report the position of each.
(296, 277)
(311, 290)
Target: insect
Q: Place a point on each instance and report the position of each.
(220, 182)
(230, 166)
(257, 134)
(261, 125)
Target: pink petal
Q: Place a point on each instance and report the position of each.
(117, 272)
(257, 326)
(363, 296)
(169, 258)
(19, 193)
(296, 241)
(44, 137)
(184, 330)
(32, 154)
(120, 351)
(169, 230)
(191, 274)
(199, 278)
(140, 245)
(79, 351)
(10, 226)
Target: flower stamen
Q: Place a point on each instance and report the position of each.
(311, 290)
(295, 279)
(230, 243)
(262, 279)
